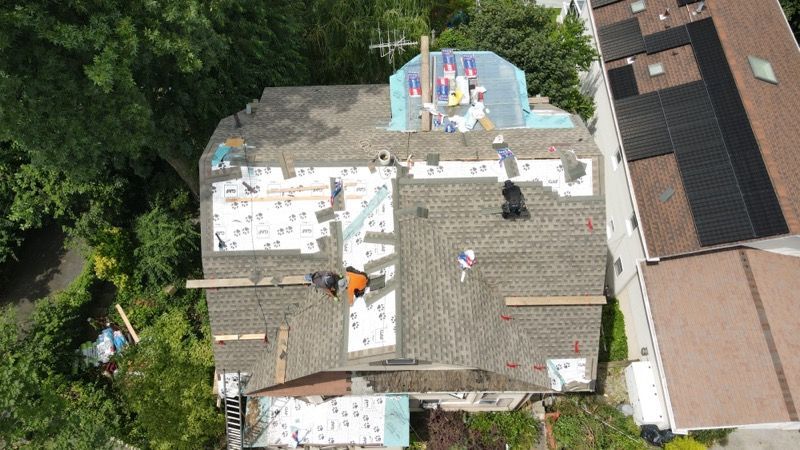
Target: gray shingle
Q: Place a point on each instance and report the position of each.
(442, 321)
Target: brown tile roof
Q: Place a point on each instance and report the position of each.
(726, 326)
(668, 226)
(648, 19)
(746, 28)
(679, 68)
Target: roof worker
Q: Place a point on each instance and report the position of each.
(325, 280)
(355, 282)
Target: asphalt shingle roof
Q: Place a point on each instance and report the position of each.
(439, 319)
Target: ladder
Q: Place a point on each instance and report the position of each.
(234, 412)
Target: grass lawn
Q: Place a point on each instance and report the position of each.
(613, 342)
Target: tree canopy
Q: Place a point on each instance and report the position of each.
(551, 54)
(88, 87)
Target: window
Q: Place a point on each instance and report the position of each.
(610, 228)
(762, 69)
(618, 266)
(617, 159)
(638, 6)
(631, 224)
(655, 69)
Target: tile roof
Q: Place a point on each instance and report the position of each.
(344, 125)
(750, 192)
(746, 300)
(759, 29)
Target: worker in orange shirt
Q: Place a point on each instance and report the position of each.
(355, 282)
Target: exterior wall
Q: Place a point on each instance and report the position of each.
(628, 247)
(449, 401)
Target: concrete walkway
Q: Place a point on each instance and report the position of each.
(44, 267)
(761, 440)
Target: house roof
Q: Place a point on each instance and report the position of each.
(746, 301)
(723, 129)
(435, 317)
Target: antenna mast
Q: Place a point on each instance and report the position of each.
(395, 43)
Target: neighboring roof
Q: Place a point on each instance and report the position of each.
(759, 29)
(734, 154)
(439, 319)
(726, 325)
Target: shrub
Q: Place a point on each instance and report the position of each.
(684, 443)
(446, 430)
(518, 429)
(711, 437)
(614, 342)
(587, 423)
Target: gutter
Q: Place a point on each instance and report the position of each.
(659, 364)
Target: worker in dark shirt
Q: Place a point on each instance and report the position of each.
(325, 280)
(514, 207)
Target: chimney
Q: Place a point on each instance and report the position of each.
(425, 79)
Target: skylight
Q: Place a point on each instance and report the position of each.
(762, 69)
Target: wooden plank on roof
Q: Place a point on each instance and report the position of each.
(239, 337)
(290, 280)
(283, 347)
(553, 301)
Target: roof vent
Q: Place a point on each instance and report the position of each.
(384, 157)
(514, 208)
(400, 362)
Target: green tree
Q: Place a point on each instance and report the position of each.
(39, 405)
(526, 34)
(165, 383)
(339, 33)
(87, 87)
(792, 10)
(166, 246)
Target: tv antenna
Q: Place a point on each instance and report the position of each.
(395, 43)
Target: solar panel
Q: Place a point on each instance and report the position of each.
(742, 147)
(719, 211)
(621, 39)
(598, 3)
(623, 82)
(665, 40)
(686, 2)
(642, 126)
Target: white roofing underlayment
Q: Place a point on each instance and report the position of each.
(274, 213)
(356, 419)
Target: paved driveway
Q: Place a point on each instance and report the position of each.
(761, 440)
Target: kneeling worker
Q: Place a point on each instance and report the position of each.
(356, 283)
(325, 280)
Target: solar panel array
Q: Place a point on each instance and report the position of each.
(742, 147)
(621, 39)
(623, 82)
(686, 2)
(667, 39)
(643, 127)
(705, 124)
(710, 183)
